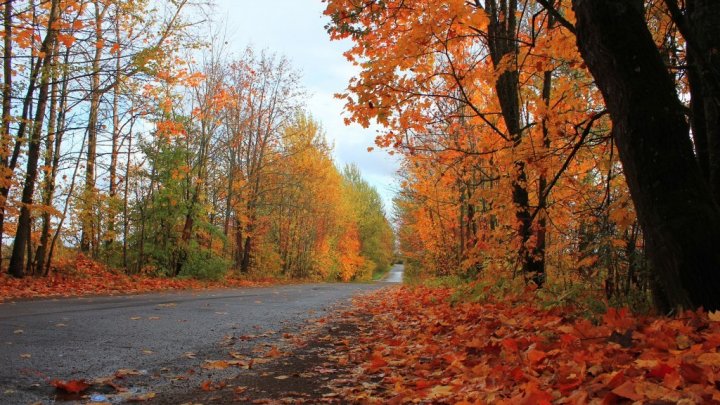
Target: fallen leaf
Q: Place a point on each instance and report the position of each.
(627, 390)
(660, 371)
(377, 361)
(709, 359)
(215, 365)
(72, 386)
(237, 355)
(441, 391)
(683, 342)
(142, 398)
(208, 385)
(273, 353)
(536, 356)
(123, 372)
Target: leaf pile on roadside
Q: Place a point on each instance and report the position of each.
(83, 276)
(415, 346)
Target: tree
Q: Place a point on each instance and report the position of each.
(374, 230)
(17, 264)
(463, 91)
(675, 203)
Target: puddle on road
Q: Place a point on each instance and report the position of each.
(104, 395)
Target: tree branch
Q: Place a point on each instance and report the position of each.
(559, 17)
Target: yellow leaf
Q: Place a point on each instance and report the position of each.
(215, 365)
(709, 359)
(441, 391)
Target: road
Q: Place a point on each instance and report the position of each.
(90, 338)
(395, 275)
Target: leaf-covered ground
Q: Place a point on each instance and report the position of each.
(82, 276)
(414, 345)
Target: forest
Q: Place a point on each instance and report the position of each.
(133, 137)
(540, 143)
(557, 217)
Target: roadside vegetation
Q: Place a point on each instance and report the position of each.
(134, 139)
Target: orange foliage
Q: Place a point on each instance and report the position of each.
(433, 87)
(421, 348)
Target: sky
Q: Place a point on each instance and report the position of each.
(295, 29)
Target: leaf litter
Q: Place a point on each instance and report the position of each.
(414, 345)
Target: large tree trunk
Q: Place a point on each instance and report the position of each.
(704, 19)
(679, 216)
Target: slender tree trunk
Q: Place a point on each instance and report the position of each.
(541, 228)
(5, 140)
(675, 205)
(502, 42)
(9, 169)
(89, 222)
(66, 206)
(112, 192)
(126, 217)
(50, 165)
(247, 255)
(22, 236)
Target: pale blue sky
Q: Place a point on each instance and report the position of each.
(295, 29)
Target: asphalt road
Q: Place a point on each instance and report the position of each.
(395, 275)
(90, 338)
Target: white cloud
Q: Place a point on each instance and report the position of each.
(295, 29)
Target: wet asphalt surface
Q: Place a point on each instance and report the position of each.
(155, 335)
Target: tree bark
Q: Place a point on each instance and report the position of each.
(52, 148)
(503, 43)
(22, 236)
(704, 19)
(6, 106)
(89, 222)
(679, 216)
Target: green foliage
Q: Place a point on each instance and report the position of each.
(413, 272)
(204, 264)
(377, 238)
(579, 297)
(173, 236)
